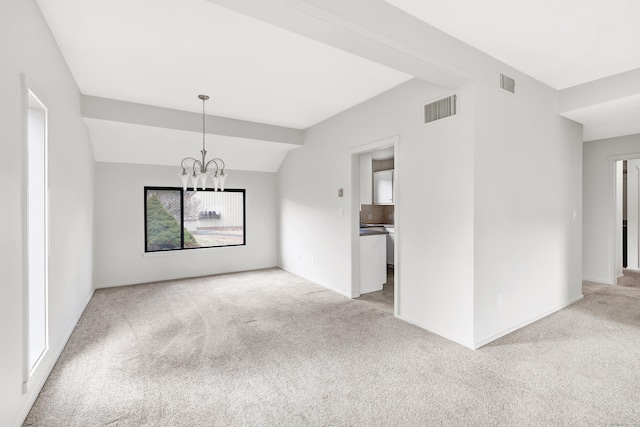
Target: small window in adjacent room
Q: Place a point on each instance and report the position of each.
(176, 219)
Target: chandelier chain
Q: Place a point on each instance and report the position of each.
(203, 102)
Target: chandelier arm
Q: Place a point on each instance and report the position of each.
(193, 165)
(221, 161)
(206, 167)
(185, 159)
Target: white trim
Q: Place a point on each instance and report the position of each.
(171, 252)
(354, 229)
(594, 280)
(486, 341)
(164, 278)
(37, 388)
(436, 331)
(376, 145)
(29, 93)
(613, 236)
(25, 232)
(476, 345)
(315, 282)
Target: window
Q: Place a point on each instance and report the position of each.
(176, 219)
(37, 234)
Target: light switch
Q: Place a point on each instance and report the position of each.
(340, 192)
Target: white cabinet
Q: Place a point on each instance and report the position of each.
(391, 241)
(366, 183)
(373, 268)
(383, 187)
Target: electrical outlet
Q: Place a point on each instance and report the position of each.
(497, 301)
(370, 216)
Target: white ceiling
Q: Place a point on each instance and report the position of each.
(610, 119)
(138, 144)
(562, 43)
(166, 52)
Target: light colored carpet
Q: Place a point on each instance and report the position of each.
(630, 278)
(382, 300)
(268, 348)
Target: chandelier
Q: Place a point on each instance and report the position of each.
(197, 171)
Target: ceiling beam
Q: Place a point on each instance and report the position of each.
(372, 29)
(600, 91)
(148, 115)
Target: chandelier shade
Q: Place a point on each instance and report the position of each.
(196, 172)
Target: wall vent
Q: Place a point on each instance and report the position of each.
(440, 109)
(507, 83)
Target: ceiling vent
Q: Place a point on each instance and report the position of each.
(507, 83)
(445, 107)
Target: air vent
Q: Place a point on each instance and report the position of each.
(507, 83)
(440, 109)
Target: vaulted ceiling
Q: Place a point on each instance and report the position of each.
(289, 64)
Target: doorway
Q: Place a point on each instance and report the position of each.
(374, 210)
(627, 223)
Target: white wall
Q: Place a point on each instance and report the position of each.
(119, 241)
(26, 46)
(527, 187)
(486, 233)
(598, 199)
(433, 222)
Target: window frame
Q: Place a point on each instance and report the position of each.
(35, 269)
(182, 226)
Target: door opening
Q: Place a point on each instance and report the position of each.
(627, 221)
(374, 225)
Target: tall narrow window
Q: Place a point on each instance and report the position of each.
(37, 234)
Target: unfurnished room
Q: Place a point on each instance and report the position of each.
(319, 213)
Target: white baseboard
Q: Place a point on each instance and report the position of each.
(311, 279)
(38, 387)
(595, 280)
(179, 277)
(437, 332)
(486, 341)
(478, 344)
